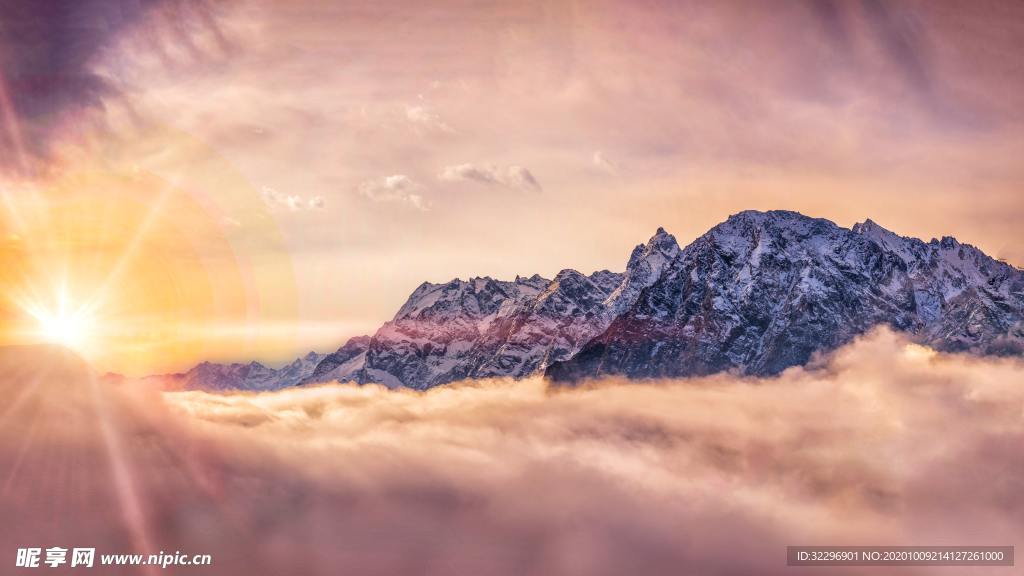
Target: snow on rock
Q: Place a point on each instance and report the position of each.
(253, 376)
(758, 293)
(764, 291)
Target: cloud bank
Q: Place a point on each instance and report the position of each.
(515, 177)
(882, 443)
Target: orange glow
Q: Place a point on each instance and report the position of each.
(136, 274)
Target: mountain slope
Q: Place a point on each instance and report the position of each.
(756, 294)
(253, 376)
(966, 300)
(490, 328)
(443, 331)
(763, 291)
(342, 365)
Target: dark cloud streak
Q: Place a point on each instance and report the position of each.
(49, 56)
(899, 33)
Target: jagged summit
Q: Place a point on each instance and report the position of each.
(645, 265)
(869, 225)
(763, 291)
(757, 293)
(532, 279)
(785, 222)
(477, 296)
(766, 216)
(880, 234)
(243, 376)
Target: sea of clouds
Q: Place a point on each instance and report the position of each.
(881, 443)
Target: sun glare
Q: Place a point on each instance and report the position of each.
(139, 276)
(64, 324)
(68, 330)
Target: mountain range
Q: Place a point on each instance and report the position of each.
(756, 294)
(252, 376)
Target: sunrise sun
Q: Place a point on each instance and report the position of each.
(69, 330)
(64, 323)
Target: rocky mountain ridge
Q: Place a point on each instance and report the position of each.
(252, 376)
(756, 294)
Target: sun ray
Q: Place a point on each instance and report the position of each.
(126, 265)
(131, 249)
(26, 443)
(124, 477)
(12, 125)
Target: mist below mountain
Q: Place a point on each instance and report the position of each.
(881, 441)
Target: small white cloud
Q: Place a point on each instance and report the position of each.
(232, 222)
(605, 164)
(293, 202)
(422, 117)
(397, 188)
(482, 174)
(519, 177)
(510, 177)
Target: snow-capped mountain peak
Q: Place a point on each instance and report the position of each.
(645, 265)
(250, 376)
(763, 291)
(757, 293)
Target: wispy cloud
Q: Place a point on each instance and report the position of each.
(291, 202)
(50, 85)
(422, 118)
(397, 188)
(604, 164)
(515, 177)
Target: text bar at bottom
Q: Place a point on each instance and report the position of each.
(899, 555)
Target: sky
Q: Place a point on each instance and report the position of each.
(255, 179)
